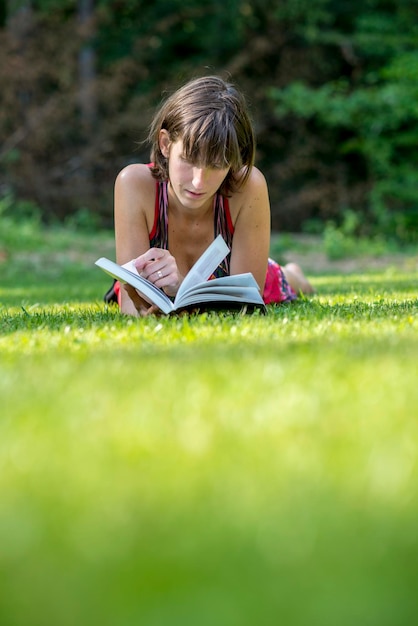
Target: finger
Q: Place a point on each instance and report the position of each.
(140, 263)
(154, 270)
(148, 257)
(158, 275)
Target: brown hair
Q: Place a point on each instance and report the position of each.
(211, 117)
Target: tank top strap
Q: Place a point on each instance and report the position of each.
(158, 236)
(223, 226)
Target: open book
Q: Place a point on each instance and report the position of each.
(196, 290)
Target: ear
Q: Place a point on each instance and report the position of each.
(164, 142)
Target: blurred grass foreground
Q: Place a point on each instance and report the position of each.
(217, 470)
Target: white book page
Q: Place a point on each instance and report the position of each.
(128, 273)
(223, 284)
(204, 267)
(249, 297)
(130, 265)
(243, 288)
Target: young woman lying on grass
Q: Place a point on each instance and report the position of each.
(202, 182)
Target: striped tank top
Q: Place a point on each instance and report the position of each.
(223, 225)
(276, 289)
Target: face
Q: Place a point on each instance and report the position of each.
(193, 185)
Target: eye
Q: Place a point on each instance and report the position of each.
(219, 166)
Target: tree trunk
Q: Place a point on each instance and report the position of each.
(87, 66)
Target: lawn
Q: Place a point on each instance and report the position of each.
(213, 470)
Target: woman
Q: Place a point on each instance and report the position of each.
(201, 182)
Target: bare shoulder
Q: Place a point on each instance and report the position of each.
(135, 176)
(256, 178)
(135, 198)
(254, 186)
(253, 193)
(135, 193)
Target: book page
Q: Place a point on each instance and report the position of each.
(128, 273)
(130, 265)
(204, 267)
(239, 287)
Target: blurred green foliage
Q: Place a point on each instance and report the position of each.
(372, 114)
(332, 87)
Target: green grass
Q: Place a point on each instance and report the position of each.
(218, 470)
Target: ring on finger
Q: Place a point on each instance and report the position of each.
(160, 274)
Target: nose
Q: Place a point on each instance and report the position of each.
(198, 177)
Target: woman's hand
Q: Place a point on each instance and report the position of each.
(160, 267)
(137, 305)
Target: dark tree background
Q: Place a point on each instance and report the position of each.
(332, 85)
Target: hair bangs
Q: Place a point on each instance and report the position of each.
(212, 141)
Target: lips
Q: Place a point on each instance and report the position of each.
(194, 193)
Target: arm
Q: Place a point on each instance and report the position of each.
(134, 217)
(250, 247)
(133, 197)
